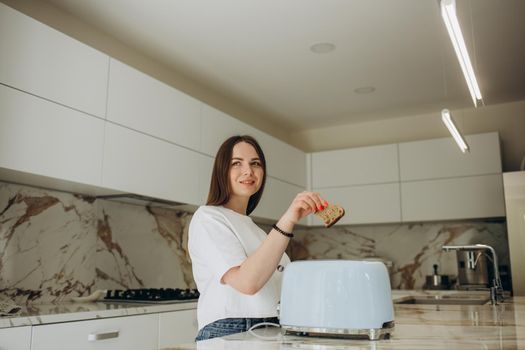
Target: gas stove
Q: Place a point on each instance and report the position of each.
(152, 295)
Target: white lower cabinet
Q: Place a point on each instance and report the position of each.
(130, 332)
(15, 338)
(455, 198)
(177, 327)
(365, 204)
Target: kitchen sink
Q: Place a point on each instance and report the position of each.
(445, 300)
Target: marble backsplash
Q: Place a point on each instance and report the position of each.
(56, 245)
(409, 250)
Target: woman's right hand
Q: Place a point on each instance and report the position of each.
(304, 203)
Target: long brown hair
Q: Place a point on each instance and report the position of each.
(220, 189)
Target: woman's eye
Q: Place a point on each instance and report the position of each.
(256, 164)
(236, 163)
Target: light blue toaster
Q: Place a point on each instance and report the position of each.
(337, 298)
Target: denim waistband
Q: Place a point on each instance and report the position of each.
(227, 326)
(249, 322)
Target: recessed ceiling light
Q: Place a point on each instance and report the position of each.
(365, 90)
(322, 47)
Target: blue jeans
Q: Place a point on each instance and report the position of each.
(227, 326)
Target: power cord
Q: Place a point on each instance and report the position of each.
(271, 324)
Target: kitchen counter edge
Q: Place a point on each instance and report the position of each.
(39, 314)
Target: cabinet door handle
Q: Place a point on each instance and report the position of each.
(102, 336)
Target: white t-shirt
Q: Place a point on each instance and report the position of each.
(219, 239)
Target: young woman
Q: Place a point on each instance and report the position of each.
(237, 266)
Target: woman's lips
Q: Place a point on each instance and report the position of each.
(247, 182)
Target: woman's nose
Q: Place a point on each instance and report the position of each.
(248, 170)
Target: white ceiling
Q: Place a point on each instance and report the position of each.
(256, 52)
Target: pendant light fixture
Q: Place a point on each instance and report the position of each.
(448, 12)
(447, 119)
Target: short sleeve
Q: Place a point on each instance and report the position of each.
(213, 244)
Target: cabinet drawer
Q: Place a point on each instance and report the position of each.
(15, 338)
(177, 327)
(131, 332)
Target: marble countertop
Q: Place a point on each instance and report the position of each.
(36, 314)
(418, 326)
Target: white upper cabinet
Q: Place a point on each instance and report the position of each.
(141, 164)
(441, 158)
(355, 166)
(44, 62)
(69, 112)
(439, 182)
(276, 199)
(140, 102)
(43, 138)
(430, 180)
(365, 204)
(454, 198)
(217, 127)
(283, 161)
(205, 170)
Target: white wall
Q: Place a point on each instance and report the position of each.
(508, 119)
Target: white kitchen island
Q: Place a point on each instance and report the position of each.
(417, 327)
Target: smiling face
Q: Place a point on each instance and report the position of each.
(246, 171)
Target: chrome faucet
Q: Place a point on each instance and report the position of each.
(496, 291)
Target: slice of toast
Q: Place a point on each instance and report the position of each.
(331, 214)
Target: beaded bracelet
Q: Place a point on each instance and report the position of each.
(287, 234)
